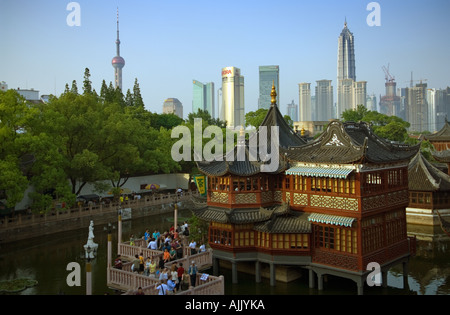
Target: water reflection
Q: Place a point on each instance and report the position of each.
(45, 259)
(429, 271)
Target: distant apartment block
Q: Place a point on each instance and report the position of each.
(292, 110)
(310, 129)
(173, 106)
(350, 95)
(3, 86)
(304, 102)
(416, 107)
(437, 111)
(324, 109)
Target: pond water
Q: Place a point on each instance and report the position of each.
(45, 259)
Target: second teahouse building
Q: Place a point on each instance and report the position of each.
(333, 206)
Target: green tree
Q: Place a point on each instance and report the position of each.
(137, 97)
(355, 115)
(74, 88)
(166, 121)
(391, 128)
(198, 230)
(289, 120)
(255, 118)
(206, 118)
(87, 84)
(129, 99)
(14, 118)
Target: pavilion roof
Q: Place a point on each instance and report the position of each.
(248, 163)
(350, 142)
(441, 135)
(423, 176)
(275, 219)
(442, 156)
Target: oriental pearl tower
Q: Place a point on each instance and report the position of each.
(118, 62)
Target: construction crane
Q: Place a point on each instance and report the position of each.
(388, 76)
(411, 82)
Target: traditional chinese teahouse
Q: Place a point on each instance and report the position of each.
(429, 193)
(441, 139)
(441, 142)
(332, 206)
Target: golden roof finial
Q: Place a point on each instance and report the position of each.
(273, 94)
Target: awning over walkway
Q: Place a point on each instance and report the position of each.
(331, 219)
(319, 171)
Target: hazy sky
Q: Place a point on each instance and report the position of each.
(167, 44)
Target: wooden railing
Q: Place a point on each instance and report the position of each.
(211, 286)
(129, 281)
(23, 220)
(127, 250)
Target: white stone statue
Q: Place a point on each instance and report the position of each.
(91, 233)
(91, 247)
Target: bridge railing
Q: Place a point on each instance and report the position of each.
(126, 280)
(23, 220)
(211, 286)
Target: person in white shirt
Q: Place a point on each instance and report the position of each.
(152, 244)
(193, 247)
(162, 288)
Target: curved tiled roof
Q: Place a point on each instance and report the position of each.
(276, 219)
(285, 224)
(441, 135)
(442, 156)
(287, 136)
(350, 142)
(233, 164)
(423, 176)
(251, 165)
(235, 216)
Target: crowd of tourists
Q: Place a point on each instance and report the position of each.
(171, 279)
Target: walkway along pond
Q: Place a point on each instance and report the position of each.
(20, 227)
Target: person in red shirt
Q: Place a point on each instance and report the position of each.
(180, 272)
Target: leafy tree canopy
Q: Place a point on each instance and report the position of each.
(388, 127)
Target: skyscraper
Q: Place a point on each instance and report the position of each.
(346, 55)
(304, 102)
(173, 106)
(416, 107)
(324, 100)
(118, 62)
(292, 111)
(233, 105)
(350, 93)
(203, 97)
(390, 103)
(436, 109)
(360, 93)
(268, 75)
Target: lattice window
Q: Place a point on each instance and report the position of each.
(337, 239)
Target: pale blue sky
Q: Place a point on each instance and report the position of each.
(167, 44)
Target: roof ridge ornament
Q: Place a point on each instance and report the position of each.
(273, 94)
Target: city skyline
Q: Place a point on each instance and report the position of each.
(196, 42)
